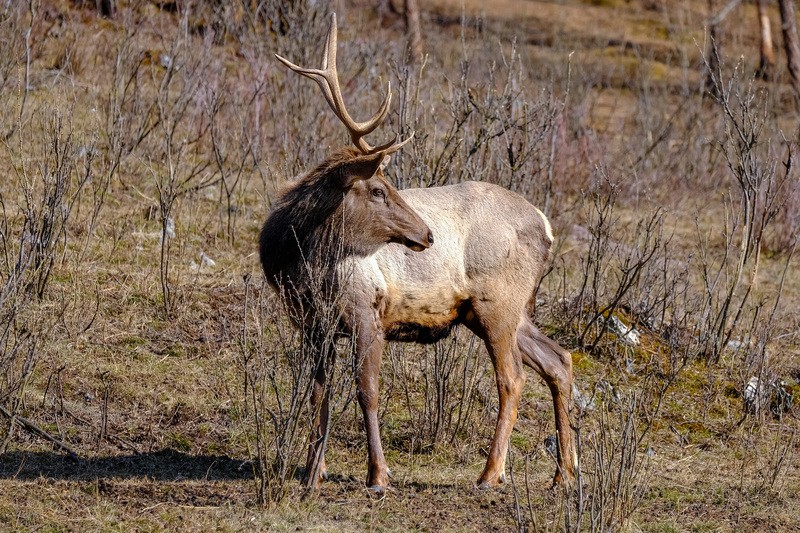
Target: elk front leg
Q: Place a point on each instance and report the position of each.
(316, 470)
(369, 346)
(510, 380)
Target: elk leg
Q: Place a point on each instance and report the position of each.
(316, 470)
(369, 345)
(554, 364)
(510, 378)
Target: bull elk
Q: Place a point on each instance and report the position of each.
(394, 284)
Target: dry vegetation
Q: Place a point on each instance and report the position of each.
(140, 153)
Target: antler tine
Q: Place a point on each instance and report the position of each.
(328, 80)
(393, 145)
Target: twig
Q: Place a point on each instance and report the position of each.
(36, 430)
(723, 13)
(32, 10)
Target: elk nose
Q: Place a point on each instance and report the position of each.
(430, 238)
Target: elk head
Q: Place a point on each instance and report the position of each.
(371, 205)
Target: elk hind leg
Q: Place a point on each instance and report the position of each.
(554, 364)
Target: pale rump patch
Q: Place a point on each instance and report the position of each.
(548, 230)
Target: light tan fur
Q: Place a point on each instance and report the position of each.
(490, 252)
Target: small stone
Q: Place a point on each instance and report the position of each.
(165, 60)
(206, 261)
(582, 401)
(754, 396)
(735, 345)
(169, 229)
(551, 445)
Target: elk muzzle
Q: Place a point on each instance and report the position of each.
(411, 230)
(421, 244)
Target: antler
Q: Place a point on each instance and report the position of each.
(328, 80)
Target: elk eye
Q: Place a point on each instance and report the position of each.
(378, 193)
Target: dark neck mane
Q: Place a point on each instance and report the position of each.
(304, 227)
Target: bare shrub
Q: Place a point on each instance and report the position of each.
(36, 213)
(781, 235)
(443, 386)
(615, 469)
(269, 21)
(278, 370)
(177, 160)
(624, 266)
(128, 117)
(779, 461)
(293, 374)
(730, 282)
(494, 129)
(17, 22)
(754, 357)
(614, 473)
(231, 145)
(13, 17)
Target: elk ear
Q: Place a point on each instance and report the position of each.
(361, 168)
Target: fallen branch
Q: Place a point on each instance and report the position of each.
(36, 430)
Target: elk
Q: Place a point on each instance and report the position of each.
(491, 247)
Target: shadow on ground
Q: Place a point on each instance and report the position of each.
(162, 465)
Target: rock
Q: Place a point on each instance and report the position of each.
(754, 396)
(206, 261)
(735, 345)
(627, 334)
(760, 394)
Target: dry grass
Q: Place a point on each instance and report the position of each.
(150, 391)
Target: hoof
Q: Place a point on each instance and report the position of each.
(562, 482)
(314, 484)
(484, 485)
(378, 482)
(377, 490)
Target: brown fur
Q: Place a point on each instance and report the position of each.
(299, 226)
(313, 223)
(490, 252)
(492, 246)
